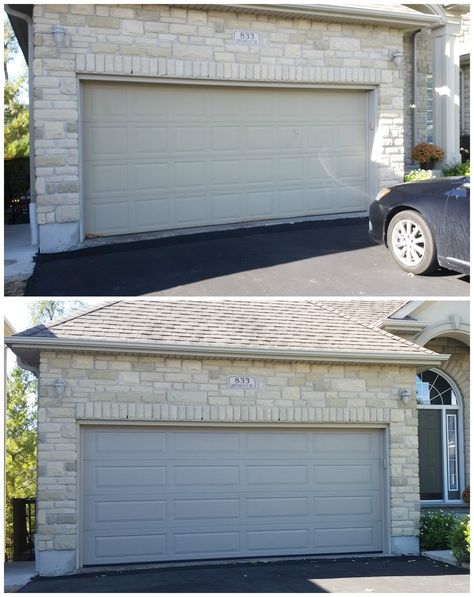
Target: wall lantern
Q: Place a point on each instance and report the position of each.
(60, 386)
(58, 32)
(397, 57)
(404, 395)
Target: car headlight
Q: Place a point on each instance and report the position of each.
(381, 194)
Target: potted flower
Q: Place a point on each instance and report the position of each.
(427, 154)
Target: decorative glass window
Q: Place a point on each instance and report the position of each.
(429, 108)
(438, 434)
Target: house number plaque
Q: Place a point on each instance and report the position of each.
(241, 382)
(246, 38)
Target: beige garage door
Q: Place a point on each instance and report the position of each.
(162, 157)
(178, 494)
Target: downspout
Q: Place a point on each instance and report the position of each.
(414, 84)
(32, 207)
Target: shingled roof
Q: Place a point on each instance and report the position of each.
(272, 327)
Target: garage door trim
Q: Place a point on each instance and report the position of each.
(383, 429)
(372, 110)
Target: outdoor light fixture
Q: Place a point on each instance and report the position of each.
(404, 395)
(397, 57)
(60, 386)
(58, 32)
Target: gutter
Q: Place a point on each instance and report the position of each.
(32, 207)
(28, 348)
(333, 12)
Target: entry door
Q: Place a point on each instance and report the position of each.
(152, 494)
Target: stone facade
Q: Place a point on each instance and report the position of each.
(132, 389)
(416, 95)
(158, 41)
(416, 118)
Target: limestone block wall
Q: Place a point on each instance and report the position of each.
(166, 42)
(142, 389)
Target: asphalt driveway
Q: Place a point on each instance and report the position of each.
(325, 258)
(351, 575)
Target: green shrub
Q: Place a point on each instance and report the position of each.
(436, 528)
(460, 540)
(457, 169)
(417, 175)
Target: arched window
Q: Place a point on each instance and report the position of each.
(439, 437)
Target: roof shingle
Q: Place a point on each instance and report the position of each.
(332, 326)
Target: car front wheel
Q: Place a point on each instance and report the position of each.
(411, 243)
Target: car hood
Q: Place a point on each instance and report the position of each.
(426, 187)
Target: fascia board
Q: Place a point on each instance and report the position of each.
(408, 358)
(348, 13)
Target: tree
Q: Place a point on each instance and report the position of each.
(16, 114)
(20, 444)
(16, 119)
(21, 422)
(44, 311)
(10, 46)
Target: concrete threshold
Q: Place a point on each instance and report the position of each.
(101, 241)
(445, 556)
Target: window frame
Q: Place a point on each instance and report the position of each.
(448, 409)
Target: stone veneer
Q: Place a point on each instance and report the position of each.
(177, 43)
(132, 389)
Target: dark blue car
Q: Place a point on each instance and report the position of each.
(424, 224)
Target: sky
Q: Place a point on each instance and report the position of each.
(16, 311)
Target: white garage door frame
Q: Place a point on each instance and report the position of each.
(372, 109)
(383, 429)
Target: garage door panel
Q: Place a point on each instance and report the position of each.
(260, 204)
(126, 547)
(103, 444)
(352, 539)
(277, 445)
(101, 214)
(216, 493)
(277, 475)
(105, 511)
(106, 142)
(191, 210)
(125, 476)
(342, 474)
(151, 210)
(225, 138)
(196, 128)
(283, 507)
(209, 508)
(225, 206)
(189, 174)
(207, 544)
(228, 476)
(343, 445)
(147, 140)
(340, 507)
(259, 138)
(107, 178)
(194, 445)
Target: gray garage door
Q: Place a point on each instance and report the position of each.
(170, 494)
(162, 157)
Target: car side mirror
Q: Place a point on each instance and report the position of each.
(467, 185)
